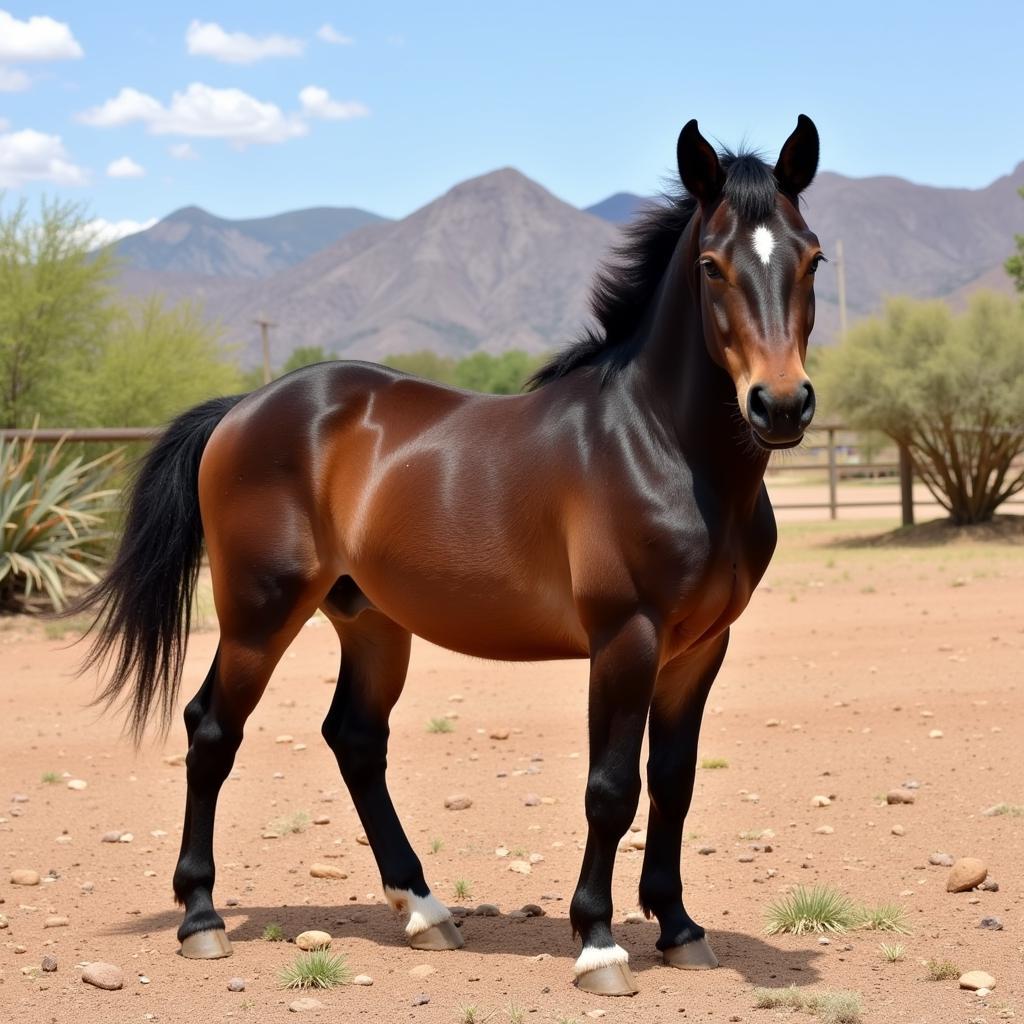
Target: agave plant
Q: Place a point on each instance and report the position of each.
(54, 512)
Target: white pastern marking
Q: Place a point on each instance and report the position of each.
(424, 911)
(594, 957)
(764, 243)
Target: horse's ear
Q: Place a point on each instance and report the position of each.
(699, 169)
(798, 160)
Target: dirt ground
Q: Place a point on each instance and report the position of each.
(856, 653)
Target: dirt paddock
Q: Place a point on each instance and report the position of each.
(849, 659)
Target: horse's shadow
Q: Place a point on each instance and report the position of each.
(758, 962)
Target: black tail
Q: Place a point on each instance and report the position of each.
(143, 606)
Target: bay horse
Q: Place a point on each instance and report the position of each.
(615, 510)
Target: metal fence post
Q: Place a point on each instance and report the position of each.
(906, 485)
(833, 474)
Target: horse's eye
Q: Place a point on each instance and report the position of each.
(820, 258)
(711, 269)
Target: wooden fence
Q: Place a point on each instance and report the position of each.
(834, 459)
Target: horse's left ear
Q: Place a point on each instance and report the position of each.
(798, 160)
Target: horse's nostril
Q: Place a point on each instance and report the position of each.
(758, 409)
(809, 404)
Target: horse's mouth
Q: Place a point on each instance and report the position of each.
(775, 446)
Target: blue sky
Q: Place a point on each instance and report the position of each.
(392, 103)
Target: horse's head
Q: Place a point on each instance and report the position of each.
(755, 275)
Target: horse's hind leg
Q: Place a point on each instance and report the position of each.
(680, 695)
(255, 631)
(374, 660)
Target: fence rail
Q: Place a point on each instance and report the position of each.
(832, 466)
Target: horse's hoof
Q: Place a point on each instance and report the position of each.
(613, 980)
(208, 945)
(693, 956)
(439, 936)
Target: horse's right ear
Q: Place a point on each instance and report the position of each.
(699, 169)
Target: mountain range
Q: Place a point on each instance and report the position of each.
(499, 262)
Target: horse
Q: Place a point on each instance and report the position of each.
(613, 510)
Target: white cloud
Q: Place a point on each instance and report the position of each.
(12, 80)
(200, 111)
(100, 232)
(208, 39)
(183, 151)
(34, 156)
(125, 167)
(38, 38)
(317, 102)
(329, 34)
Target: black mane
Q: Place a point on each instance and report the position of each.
(624, 288)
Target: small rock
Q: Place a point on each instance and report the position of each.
(634, 917)
(4, 923)
(126, 837)
(532, 910)
(898, 830)
(24, 876)
(989, 885)
(824, 830)
(421, 1000)
(111, 837)
(78, 784)
(321, 819)
(105, 976)
(992, 924)
(49, 964)
(458, 802)
(965, 874)
(422, 971)
(520, 867)
(706, 851)
(305, 1003)
(326, 871)
(231, 901)
(820, 801)
(941, 860)
(501, 851)
(936, 734)
(900, 796)
(499, 734)
(236, 984)
(486, 910)
(745, 858)
(312, 940)
(143, 980)
(531, 800)
(536, 858)
(362, 979)
(56, 921)
(19, 798)
(596, 1014)
(174, 760)
(974, 980)
(284, 738)
(362, 840)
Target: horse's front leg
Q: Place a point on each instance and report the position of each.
(680, 693)
(623, 669)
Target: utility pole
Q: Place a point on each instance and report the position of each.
(841, 284)
(265, 325)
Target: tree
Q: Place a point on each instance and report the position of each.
(54, 308)
(951, 389)
(305, 355)
(498, 375)
(1015, 264)
(424, 364)
(155, 363)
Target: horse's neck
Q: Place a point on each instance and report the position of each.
(693, 397)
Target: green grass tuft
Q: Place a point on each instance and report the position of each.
(436, 845)
(815, 909)
(892, 952)
(440, 725)
(941, 970)
(516, 1014)
(318, 969)
(886, 917)
(462, 889)
(273, 932)
(1009, 810)
(51, 777)
(714, 762)
(291, 823)
(830, 1007)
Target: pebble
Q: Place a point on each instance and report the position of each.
(422, 971)
(706, 851)
(596, 1014)
(936, 734)
(634, 917)
(284, 738)
(531, 800)
(965, 874)
(77, 784)
(362, 979)
(111, 837)
(486, 910)
(105, 976)
(458, 802)
(820, 801)
(824, 830)
(745, 858)
(499, 734)
(326, 871)
(362, 840)
(898, 830)
(532, 910)
(143, 980)
(974, 980)
(312, 940)
(989, 885)
(24, 876)
(900, 796)
(49, 964)
(421, 1000)
(19, 798)
(305, 1003)
(941, 860)
(520, 867)
(236, 984)
(4, 923)
(56, 921)
(992, 924)
(174, 760)
(321, 819)
(501, 851)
